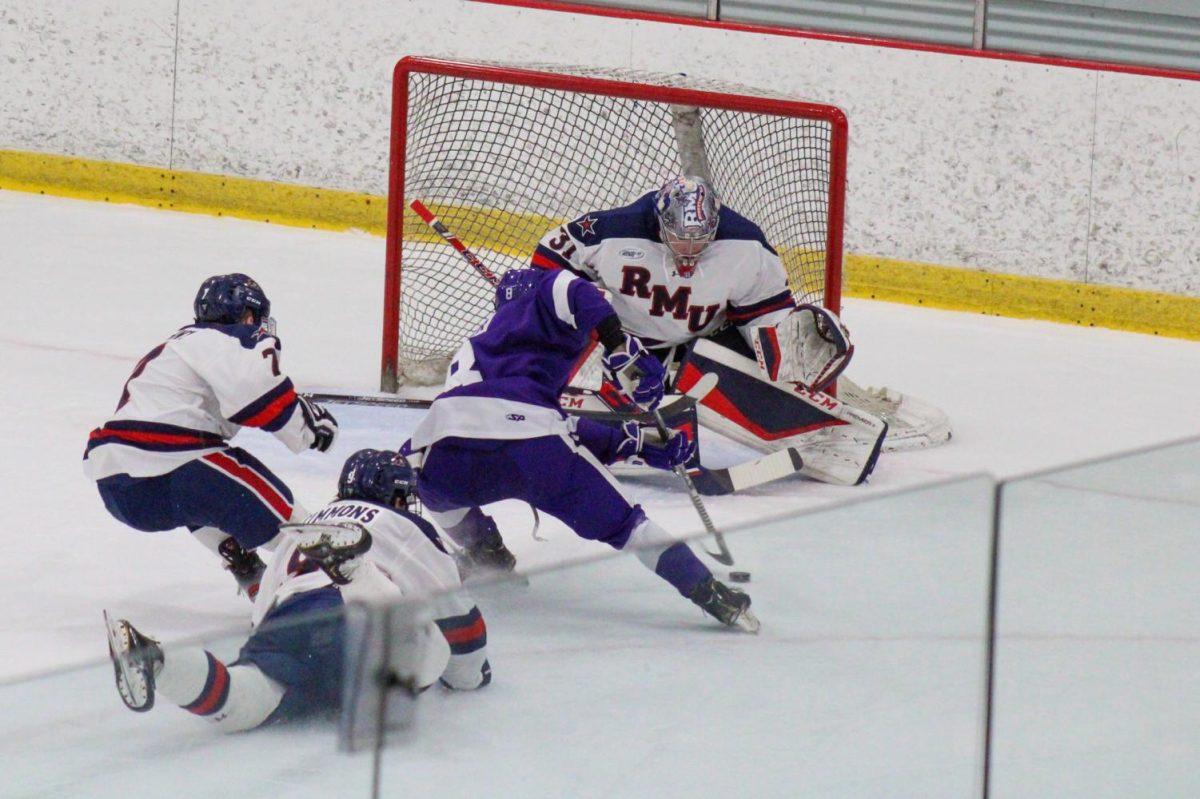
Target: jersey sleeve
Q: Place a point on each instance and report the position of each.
(764, 298)
(576, 303)
(408, 549)
(563, 248)
(242, 369)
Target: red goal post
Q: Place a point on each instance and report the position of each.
(503, 154)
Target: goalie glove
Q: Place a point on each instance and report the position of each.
(634, 448)
(637, 372)
(810, 346)
(320, 422)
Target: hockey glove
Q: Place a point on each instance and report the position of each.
(810, 346)
(637, 372)
(634, 448)
(321, 422)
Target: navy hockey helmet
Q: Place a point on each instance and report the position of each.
(515, 283)
(688, 212)
(378, 475)
(224, 299)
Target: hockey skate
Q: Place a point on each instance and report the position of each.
(727, 605)
(246, 567)
(136, 659)
(486, 557)
(333, 547)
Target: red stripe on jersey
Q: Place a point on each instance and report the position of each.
(542, 262)
(464, 634)
(256, 482)
(746, 316)
(210, 700)
(272, 411)
(151, 438)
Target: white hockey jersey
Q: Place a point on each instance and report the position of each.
(406, 549)
(738, 279)
(190, 394)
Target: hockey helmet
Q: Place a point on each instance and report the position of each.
(515, 283)
(688, 212)
(378, 475)
(224, 300)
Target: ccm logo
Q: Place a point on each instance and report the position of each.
(821, 400)
(515, 417)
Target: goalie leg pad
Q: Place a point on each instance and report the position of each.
(838, 444)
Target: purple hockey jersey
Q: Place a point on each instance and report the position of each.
(504, 382)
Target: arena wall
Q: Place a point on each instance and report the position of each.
(986, 165)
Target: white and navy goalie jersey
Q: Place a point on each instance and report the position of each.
(738, 278)
(190, 394)
(406, 549)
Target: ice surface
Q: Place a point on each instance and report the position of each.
(865, 682)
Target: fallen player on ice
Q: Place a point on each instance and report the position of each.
(368, 546)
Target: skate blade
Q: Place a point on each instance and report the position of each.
(748, 622)
(344, 537)
(119, 644)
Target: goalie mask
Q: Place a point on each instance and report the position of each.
(380, 476)
(224, 300)
(688, 212)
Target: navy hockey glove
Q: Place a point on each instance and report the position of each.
(321, 422)
(637, 372)
(636, 450)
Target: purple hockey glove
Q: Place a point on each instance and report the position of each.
(636, 450)
(637, 372)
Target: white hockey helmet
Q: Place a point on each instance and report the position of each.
(688, 211)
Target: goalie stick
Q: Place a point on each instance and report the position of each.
(715, 482)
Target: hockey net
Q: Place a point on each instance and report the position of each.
(503, 154)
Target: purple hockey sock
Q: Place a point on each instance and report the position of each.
(680, 567)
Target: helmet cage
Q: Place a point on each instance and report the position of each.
(688, 212)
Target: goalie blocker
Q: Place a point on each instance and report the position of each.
(837, 443)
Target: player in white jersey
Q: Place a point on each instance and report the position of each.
(368, 546)
(163, 459)
(676, 264)
(680, 269)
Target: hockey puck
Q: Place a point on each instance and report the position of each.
(739, 577)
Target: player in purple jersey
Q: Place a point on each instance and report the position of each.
(497, 432)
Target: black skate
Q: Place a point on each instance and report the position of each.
(333, 547)
(488, 556)
(246, 567)
(136, 659)
(727, 605)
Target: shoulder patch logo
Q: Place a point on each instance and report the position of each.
(587, 225)
(633, 254)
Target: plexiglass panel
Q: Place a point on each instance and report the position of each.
(866, 680)
(1097, 685)
(69, 735)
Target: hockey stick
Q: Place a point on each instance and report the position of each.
(715, 482)
(697, 392)
(470, 257)
(383, 401)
